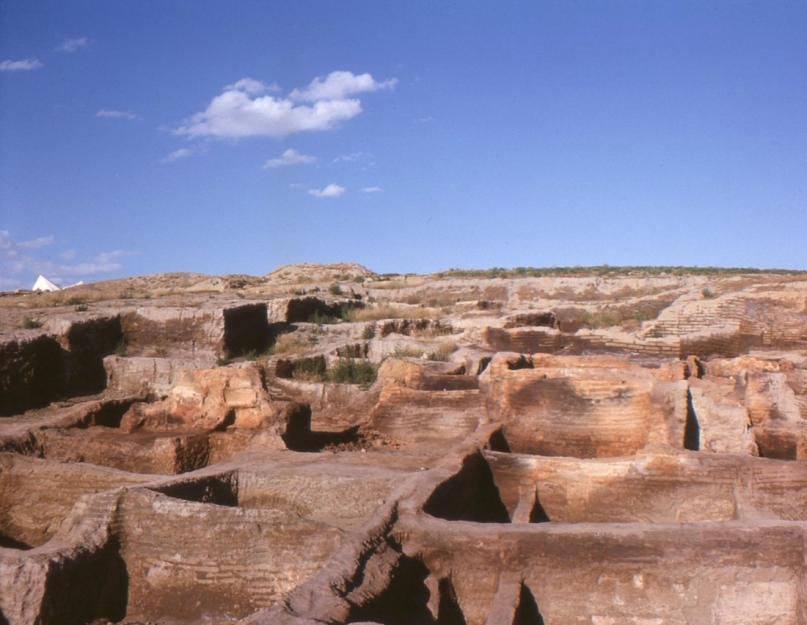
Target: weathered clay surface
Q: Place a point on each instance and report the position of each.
(326, 445)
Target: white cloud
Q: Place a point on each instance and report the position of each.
(177, 154)
(332, 190)
(289, 157)
(105, 262)
(352, 157)
(372, 190)
(38, 243)
(112, 114)
(71, 45)
(10, 249)
(234, 114)
(21, 261)
(339, 85)
(240, 111)
(251, 86)
(23, 65)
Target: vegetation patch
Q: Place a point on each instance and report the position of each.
(626, 317)
(346, 371)
(321, 318)
(442, 353)
(353, 371)
(29, 323)
(288, 344)
(607, 270)
(388, 311)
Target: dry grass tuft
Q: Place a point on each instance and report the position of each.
(288, 344)
(389, 311)
(399, 282)
(444, 351)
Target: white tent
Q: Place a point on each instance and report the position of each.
(43, 284)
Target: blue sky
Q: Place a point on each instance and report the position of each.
(223, 137)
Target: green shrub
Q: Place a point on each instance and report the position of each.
(30, 323)
(368, 332)
(320, 318)
(82, 308)
(309, 370)
(602, 319)
(607, 270)
(352, 371)
(335, 289)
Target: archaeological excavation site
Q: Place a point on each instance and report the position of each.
(328, 445)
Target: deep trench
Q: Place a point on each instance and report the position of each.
(692, 430)
(527, 612)
(38, 371)
(92, 586)
(300, 437)
(538, 514)
(219, 490)
(469, 495)
(246, 329)
(405, 599)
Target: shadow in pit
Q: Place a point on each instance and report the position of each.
(246, 329)
(692, 429)
(497, 442)
(278, 329)
(220, 490)
(10, 543)
(35, 372)
(109, 414)
(405, 600)
(527, 612)
(538, 514)
(469, 495)
(93, 585)
(780, 444)
(300, 437)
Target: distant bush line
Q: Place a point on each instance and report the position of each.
(608, 270)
